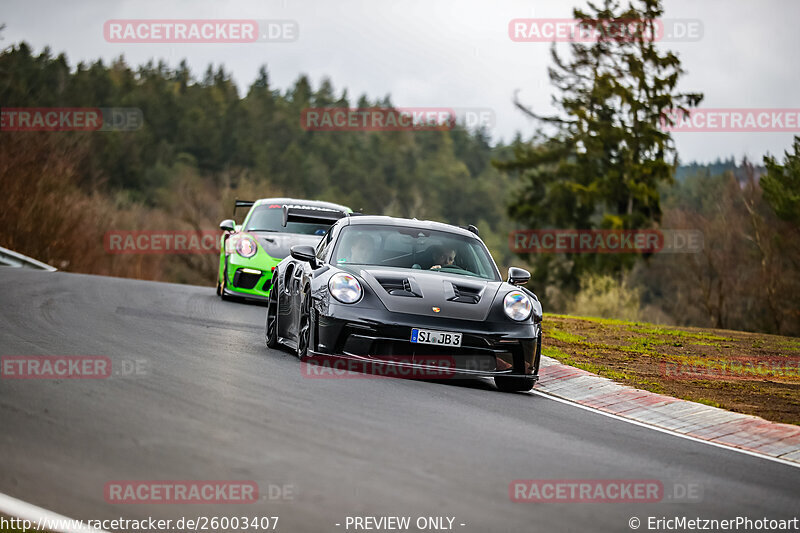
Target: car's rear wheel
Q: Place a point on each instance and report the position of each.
(513, 384)
(271, 331)
(304, 332)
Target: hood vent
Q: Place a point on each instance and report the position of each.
(463, 293)
(401, 287)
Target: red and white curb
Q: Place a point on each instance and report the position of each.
(746, 433)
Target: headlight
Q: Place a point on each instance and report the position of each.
(246, 246)
(345, 288)
(517, 306)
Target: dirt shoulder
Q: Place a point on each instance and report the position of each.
(745, 372)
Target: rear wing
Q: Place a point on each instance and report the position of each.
(241, 203)
(310, 214)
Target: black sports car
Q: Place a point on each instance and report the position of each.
(412, 294)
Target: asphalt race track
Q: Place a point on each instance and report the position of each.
(211, 402)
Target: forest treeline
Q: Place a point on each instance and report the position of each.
(204, 142)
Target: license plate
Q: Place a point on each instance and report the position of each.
(441, 338)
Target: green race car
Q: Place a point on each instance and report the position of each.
(249, 253)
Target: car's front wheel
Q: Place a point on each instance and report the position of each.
(222, 286)
(271, 331)
(304, 332)
(513, 384)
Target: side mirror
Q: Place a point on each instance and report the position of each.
(518, 276)
(228, 225)
(304, 253)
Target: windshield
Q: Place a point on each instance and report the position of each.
(266, 218)
(414, 248)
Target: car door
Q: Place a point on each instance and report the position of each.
(295, 297)
(285, 303)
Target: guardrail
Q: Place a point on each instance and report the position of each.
(14, 259)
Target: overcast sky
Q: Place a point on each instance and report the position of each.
(447, 53)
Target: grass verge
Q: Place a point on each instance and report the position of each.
(749, 373)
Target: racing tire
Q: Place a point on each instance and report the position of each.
(513, 384)
(304, 331)
(271, 327)
(223, 295)
(223, 284)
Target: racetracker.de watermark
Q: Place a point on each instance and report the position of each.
(198, 31)
(603, 491)
(600, 241)
(181, 492)
(378, 119)
(390, 366)
(162, 242)
(732, 369)
(397, 119)
(554, 30)
(729, 120)
(69, 367)
(70, 119)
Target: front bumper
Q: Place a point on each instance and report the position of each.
(249, 278)
(488, 349)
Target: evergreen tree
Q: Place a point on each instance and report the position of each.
(781, 185)
(606, 152)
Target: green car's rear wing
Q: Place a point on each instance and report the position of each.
(241, 203)
(309, 214)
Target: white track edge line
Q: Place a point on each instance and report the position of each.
(27, 511)
(664, 430)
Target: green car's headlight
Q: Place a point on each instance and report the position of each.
(517, 306)
(246, 246)
(345, 288)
